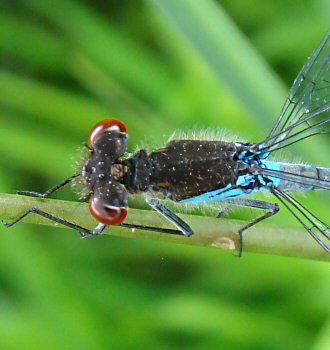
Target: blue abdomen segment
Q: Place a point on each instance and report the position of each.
(272, 166)
(216, 195)
(243, 187)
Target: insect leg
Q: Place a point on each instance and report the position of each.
(154, 203)
(97, 231)
(184, 228)
(50, 191)
(222, 212)
(271, 209)
(86, 233)
(83, 231)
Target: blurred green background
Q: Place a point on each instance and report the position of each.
(158, 65)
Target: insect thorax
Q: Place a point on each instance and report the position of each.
(184, 168)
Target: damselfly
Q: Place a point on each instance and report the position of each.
(195, 171)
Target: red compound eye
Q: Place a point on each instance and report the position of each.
(103, 127)
(106, 214)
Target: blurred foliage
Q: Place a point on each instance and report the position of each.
(158, 66)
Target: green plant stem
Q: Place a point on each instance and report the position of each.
(209, 231)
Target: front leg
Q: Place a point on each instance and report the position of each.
(84, 232)
(50, 191)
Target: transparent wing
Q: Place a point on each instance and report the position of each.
(322, 184)
(306, 111)
(317, 229)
